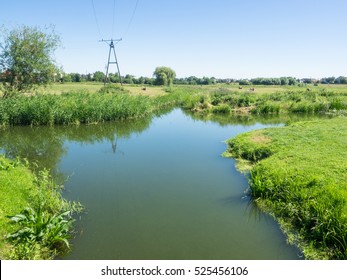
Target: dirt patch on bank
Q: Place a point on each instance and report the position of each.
(259, 138)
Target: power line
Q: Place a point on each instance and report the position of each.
(96, 19)
(112, 41)
(131, 19)
(112, 47)
(114, 9)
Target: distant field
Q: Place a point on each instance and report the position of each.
(93, 87)
(58, 88)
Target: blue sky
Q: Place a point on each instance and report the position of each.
(220, 38)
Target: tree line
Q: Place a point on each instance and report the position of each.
(26, 62)
(99, 76)
(285, 81)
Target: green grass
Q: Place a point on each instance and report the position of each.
(93, 103)
(16, 191)
(60, 88)
(72, 108)
(48, 224)
(264, 100)
(108, 104)
(299, 174)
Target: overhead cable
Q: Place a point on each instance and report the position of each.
(131, 19)
(96, 19)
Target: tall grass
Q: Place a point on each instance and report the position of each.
(113, 103)
(263, 103)
(72, 108)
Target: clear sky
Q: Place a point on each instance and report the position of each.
(220, 38)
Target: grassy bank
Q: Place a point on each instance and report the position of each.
(72, 108)
(108, 104)
(94, 104)
(298, 173)
(35, 222)
(228, 100)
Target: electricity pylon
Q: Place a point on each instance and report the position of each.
(112, 47)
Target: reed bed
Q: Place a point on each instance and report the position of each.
(72, 108)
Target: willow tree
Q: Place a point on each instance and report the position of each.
(164, 76)
(26, 58)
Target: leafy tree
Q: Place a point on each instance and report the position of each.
(192, 80)
(244, 82)
(164, 76)
(99, 76)
(89, 77)
(114, 78)
(284, 81)
(26, 58)
(147, 81)
(129, 79)
(76, 77)
(66, 78)
(292, 81)
(329, 80)
(341, 80)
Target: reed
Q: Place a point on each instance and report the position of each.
(72, 108)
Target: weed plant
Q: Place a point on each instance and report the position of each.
(35, 221)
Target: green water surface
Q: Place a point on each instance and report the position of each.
(155, 188)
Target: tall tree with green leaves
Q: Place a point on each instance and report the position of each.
(26, 58)
(164, 76)
(98, 76)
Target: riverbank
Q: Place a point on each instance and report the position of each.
(108, 104)
(114, 102)
(298, 174)
(229, 100)
(35, 221)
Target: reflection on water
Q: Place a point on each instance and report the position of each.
(44, 145)
(155, 189)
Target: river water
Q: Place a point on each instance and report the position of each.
(155, 188)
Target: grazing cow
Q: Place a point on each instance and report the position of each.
(240, 87)
(252, 89)
(145, 88)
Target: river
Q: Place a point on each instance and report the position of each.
(155, 188)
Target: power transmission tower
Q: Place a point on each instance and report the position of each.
(112, 47)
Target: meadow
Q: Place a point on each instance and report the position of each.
(263, 100)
